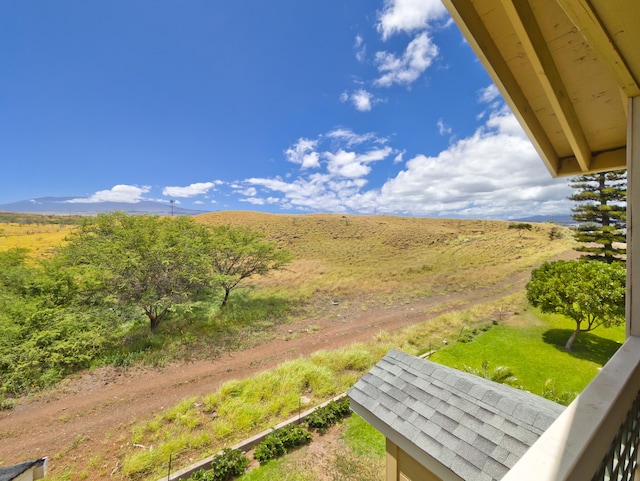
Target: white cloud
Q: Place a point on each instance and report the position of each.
(129, 194)
(408, 15)
(488, 94)
(353, 165)
(303, 153)
(249, 191)
(442, 128)
(494, 173)
(346, 157)
(361, 99)
(406, 69)
(350, 138)
(260, 201)
(360, 48)
(192, 190)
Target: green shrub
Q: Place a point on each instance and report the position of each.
(551, 392)
(280, 442)
(6, 404)
(326, 416)
(228, 464)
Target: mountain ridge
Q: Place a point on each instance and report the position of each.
(63, 206)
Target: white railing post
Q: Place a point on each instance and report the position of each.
(633, 217)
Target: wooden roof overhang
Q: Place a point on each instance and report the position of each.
(566, 68)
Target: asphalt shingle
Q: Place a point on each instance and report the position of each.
(473, 426)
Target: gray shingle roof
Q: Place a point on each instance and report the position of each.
(12, 472)
(473, 427)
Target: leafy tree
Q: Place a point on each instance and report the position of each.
(592, 294)
(45, 334)
(601, 214)
(15, 275)
(521, 228)
(237, 253)
(148, 261)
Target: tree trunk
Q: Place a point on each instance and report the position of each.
(571, 339)
(226, 297)
(154, 322)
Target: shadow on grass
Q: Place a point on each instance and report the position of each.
(203, 329)
(244, 308)
(587, 345)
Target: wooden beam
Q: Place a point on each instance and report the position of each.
(587, 21)
(476, 33)
(601, 162)
(391, 463)
(535, 46)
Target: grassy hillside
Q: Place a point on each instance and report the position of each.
(395, 258)
(370, 259)
(345, 256)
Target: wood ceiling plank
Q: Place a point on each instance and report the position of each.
(586, 19)
(476, 33)
(526, 26)
(601, 162)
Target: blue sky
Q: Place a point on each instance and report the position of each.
(355, 106)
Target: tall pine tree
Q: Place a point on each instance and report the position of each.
(601, 215)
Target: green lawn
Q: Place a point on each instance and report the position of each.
(532, 347)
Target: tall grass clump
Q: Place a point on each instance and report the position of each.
(242, 407)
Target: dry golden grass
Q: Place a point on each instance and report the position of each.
(377, 257)
(384, 255)
(41, 240)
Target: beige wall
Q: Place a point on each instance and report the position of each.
(402, 467)
(31, 474)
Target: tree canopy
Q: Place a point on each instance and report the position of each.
(237, 253)
(45, 334)
(601, 214)
(592, 294)
(150, 261)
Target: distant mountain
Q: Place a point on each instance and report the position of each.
(62, 206)
(565, 219)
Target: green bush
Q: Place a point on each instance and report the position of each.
(228, 464)
(280, 442)
(326, 416)
(6, 404)
(550, 391)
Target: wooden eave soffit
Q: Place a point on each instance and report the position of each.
(529, 33)
(535, 46)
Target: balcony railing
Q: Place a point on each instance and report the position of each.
(596, 437)
(622, 456)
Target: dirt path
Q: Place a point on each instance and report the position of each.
(108, 400)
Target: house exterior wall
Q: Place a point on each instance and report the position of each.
(402, 467)
(30, 475)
